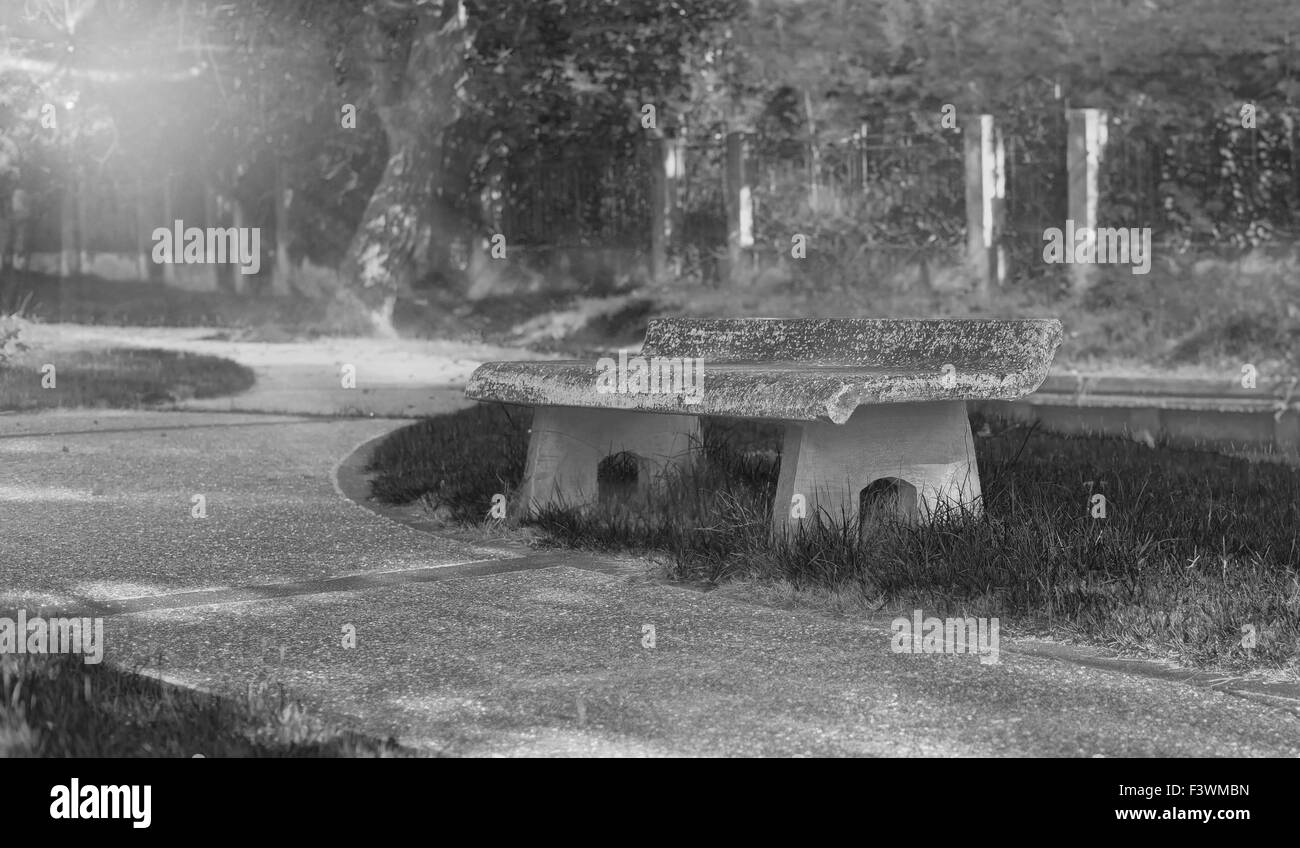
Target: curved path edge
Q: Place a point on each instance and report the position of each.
(352, 482)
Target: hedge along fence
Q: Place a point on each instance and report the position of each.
(833, 203)
(891, 197)
(576, 203)
(985, 192)
(1233, 179)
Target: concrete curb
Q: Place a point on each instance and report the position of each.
(352, 482)
(1190, 412)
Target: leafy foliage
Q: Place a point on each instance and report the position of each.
(229, 93)
(10, 343)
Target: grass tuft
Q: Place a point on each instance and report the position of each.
(59, 706)
(454, 463)
(120, 378)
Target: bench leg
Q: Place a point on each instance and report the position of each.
(567, 444)
(927, 446)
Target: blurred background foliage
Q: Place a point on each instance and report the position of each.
(540, 134)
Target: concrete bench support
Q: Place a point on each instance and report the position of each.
(925, 445)
(568, 443)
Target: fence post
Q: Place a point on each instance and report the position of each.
(863, 164)
(69, 238)
(169, 215)
(667, 160)
(739, 204)
(1085, 147)
(143, 239)
(82, 224)
(985, 203)
(282, 273)
(217, 277)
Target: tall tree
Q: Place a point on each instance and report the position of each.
(411, 54)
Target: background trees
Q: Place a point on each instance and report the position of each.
(238, 113)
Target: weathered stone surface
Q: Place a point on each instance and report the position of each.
(567, 446)
(853, 341)
(803, 369)
(928, 446)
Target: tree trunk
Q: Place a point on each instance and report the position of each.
(283, 271)
(143, 234)
(82, 222)
(169, 215)
(69, 250)
(212, 218)
(404, 234)
(239, 221)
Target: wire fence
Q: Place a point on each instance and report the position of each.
(573, 202)
(1207, 181)
(1037, 189)
(1213, 183)
(1217, 183)
(891, 189)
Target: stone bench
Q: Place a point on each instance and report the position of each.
(861, 401)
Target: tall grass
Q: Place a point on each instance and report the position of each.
(58, 706)
(1194, 545)
(120, 378)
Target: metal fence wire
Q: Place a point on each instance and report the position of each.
(1204, 182)
(576, 202)
(702, 194)
(889, 188)
(1218, 183)
(1037, 185)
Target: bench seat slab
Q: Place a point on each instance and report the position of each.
(568, 443)
(780, 391)
(925, 445)
(789, 369)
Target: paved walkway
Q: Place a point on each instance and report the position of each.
(470, 651)
(393, 378)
